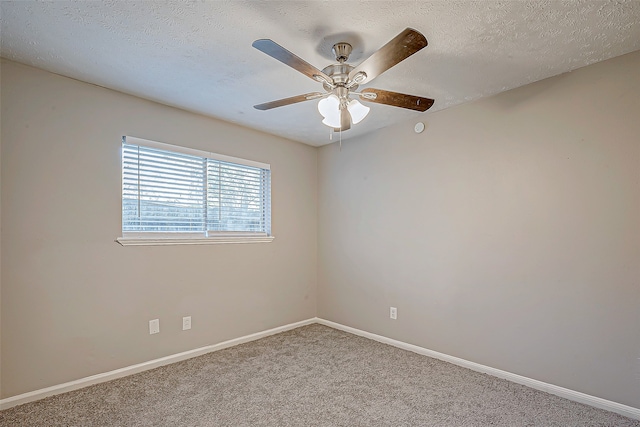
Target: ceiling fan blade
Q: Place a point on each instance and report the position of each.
(396, 99)
(288, 101)
(398, 49)
(276, 51)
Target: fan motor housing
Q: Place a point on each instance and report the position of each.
(340, 75)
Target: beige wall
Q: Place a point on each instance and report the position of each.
(507, 234)
(74, 302)
(0, 236)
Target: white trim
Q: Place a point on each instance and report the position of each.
(217, 240)
(140, 367)
(193, 152)
(576, 396)
(124, 241)
(627, 411)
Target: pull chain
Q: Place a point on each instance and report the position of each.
(331, 132)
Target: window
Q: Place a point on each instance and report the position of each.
(174, 195)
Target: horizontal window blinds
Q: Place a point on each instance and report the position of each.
(236, 197)
(179, 192)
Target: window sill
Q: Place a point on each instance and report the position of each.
(166, 241)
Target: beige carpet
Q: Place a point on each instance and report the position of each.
(310, 376)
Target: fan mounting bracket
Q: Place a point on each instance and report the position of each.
(342, 51)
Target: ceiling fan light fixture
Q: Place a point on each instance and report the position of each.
(329, 107)
(357, 110)
(335, 124)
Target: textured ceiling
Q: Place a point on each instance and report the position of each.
(197, 55)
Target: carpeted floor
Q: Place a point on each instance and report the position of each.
(310, 376)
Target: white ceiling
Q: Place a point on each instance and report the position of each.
(197, 55)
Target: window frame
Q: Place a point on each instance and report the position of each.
(155, 238)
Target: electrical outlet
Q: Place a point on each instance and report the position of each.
(154, 326)
(393, 313)
(186, 323)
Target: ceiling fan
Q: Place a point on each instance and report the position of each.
(340, 81)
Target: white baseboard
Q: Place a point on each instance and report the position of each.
(145, 366)
(627, 411)
(576, 396)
